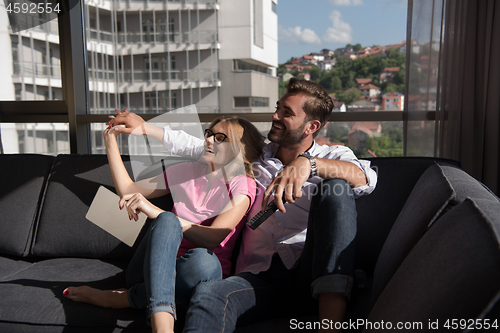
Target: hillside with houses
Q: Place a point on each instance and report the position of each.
(359, 79)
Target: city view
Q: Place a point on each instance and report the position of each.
(154, 57)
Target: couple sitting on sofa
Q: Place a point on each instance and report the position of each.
(307, 246)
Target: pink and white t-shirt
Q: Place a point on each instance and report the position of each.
(199, 198)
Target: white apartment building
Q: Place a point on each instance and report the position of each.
(149, 56)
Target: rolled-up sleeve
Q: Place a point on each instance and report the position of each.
(343, 153)
(371, 179)
(181, 143)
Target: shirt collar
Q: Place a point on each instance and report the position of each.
(269, 150)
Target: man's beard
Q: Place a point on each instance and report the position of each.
(288, 137)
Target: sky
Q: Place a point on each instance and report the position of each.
(310, 26)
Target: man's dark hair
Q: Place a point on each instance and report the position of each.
(319, 107)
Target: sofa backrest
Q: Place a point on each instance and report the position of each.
(439, 189)
(378, 211)
(63, 230)
(23, 178)
(453, 272)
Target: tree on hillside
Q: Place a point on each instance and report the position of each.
(338, 132)
(336, 84)
(389, 143)
(281, 69)
(347, 71)
(315, 73)
(349, 96)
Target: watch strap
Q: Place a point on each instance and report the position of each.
(314, 168)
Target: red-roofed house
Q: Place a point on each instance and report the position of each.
(401, 47)
(370, 90)
(308, 59)
(379, 50)
(393, 101)
(362, 82)
(388, 73)
(361, 131)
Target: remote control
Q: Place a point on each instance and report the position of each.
(264, 214)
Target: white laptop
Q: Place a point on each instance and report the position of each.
(105, 213)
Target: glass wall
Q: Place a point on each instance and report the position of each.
(365, 138)
(31, 71)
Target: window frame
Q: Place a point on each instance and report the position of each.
(74, 108)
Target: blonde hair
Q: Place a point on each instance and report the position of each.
(249, 140)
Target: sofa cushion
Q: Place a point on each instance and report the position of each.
(63, 230)
(453, 272)
(440, 188)
(10, 266)
(23, 178)
(34, 296)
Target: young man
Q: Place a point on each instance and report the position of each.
(309, 244)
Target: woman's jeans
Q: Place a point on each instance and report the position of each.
(326, 265)
(159, 281)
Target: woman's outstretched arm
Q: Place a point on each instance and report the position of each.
(123, 183)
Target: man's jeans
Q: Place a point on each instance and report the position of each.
(159, 281)
(326, 265)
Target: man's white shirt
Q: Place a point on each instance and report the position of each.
(284, 234)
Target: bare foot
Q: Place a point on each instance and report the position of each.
(332, 308)
(162, 322)
(116, 299)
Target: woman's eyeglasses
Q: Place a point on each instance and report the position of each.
(218, 137)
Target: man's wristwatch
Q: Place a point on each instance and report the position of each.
(314, 169)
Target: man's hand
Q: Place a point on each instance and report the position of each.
(288, 182)
(129, 120)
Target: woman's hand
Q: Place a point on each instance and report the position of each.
(112, 132)
(136, 203)
(127, 122)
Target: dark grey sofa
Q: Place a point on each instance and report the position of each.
(428, 248)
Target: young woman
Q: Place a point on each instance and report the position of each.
(194, 242)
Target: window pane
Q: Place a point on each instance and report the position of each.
(260, 101)
(30, 63)
(366, 139)
(46, 138)
(241, 102)
(145, 59)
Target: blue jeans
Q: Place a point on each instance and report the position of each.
(326, 265)
(159, 281)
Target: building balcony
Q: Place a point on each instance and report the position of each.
(203, 75)
(154, 110)
(36, 24)
(102, 36)
(137, 81)
(199, 37)
(29, 69)
(134, 5)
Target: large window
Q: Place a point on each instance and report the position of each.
(155, 60)
(31, 71)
